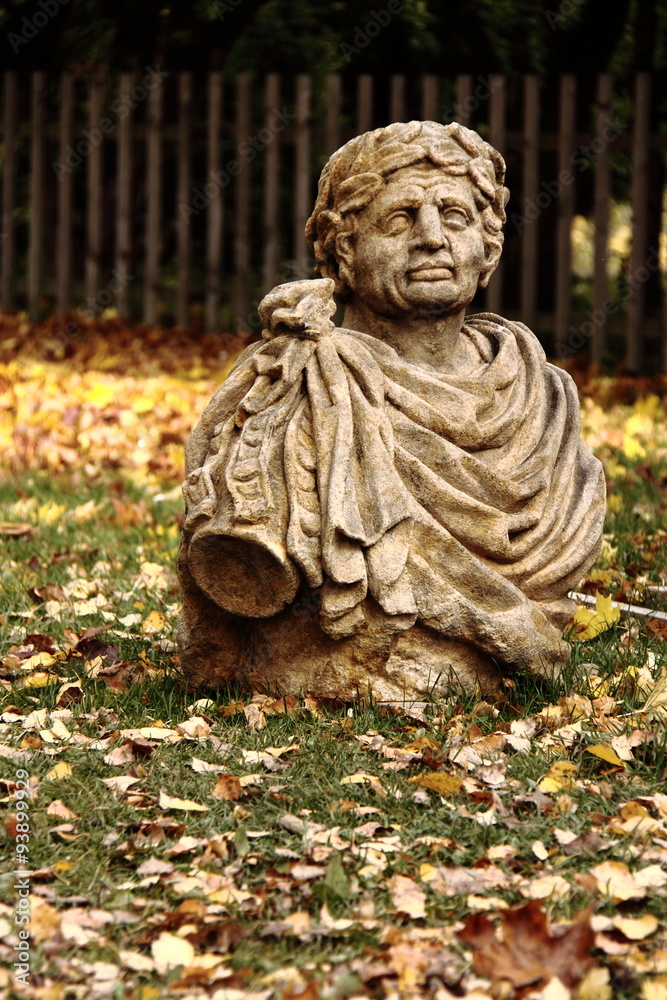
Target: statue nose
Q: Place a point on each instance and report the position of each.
(429, 231)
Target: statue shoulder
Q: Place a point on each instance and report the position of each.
(223, 402)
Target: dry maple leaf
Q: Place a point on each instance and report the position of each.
(227, 787)
(529, 952)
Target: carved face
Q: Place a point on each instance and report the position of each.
(418, 247)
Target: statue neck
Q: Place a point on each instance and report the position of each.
(434, 341)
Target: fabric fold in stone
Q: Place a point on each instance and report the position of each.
(344, 460)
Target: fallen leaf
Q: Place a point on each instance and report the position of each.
(444, 784)
(608, 754)
(529, 953)
(155, 622)
(170, 951)
(636, 928)
(361, 778)
(40, 680)
(407, 897)
(187, 805)
(15, 528)
(227, 787)
(559, 776)
(61, 770)
(656, 703)
(59, 809)
(595, 985)
(655, 989)
(615, 879)
(121, 783)
(589, 624)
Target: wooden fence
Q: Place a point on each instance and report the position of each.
(183, 197)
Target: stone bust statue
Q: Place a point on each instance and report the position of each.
(404, 501)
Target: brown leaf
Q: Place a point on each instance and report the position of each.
(227, 787)
(529, 952)
(15, 528)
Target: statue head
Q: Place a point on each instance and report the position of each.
(445, 169)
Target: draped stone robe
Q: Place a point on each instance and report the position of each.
(357, 520)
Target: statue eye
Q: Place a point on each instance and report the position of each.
(455, 218)
(397, 222)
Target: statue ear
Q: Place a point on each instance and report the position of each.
(490, 265)
(345, 257)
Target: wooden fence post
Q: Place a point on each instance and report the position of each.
(241, 241)
(638, 255)
(36, 227)
(565, 200)
(302, 199)
(152, 235)
(123, 193)
(214, 217)
(271, 186)
(601, 219)
(430, 110)
(531, 176)
(463, 108)
(494, 291)
(64, 230)
(397, 98)
(183, 184)
(334, 101)
(8, 191)
(364, 102)
(94, 197)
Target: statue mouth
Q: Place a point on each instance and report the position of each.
(431, 272)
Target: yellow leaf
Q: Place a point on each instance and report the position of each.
(636, 929)
(63, 866)
(655, 989)
(155, 622)
(615, 504)
(548, 887)
(187, 805)
(50, 512)
(615, 880)
(443, 784)
(170, 951)
(101, 395)
(38, 660)
(606, 753)
(657, 699)
(589, 624)
(595, 985)
(632, 449)
(61, 770)
(602, 576)
(40, 680)
(85, 511)
(360, 778)
(143, 405)
(560, 776)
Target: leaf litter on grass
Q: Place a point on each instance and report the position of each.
(240, 845)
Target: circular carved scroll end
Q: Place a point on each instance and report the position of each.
(242, 576)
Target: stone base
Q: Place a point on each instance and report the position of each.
(289, 654)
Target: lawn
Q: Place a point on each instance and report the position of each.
(221, 844)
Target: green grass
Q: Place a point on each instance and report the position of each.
(96, 862)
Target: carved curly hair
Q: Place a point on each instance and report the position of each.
(356, 173)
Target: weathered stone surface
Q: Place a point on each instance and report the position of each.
(405, 501)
